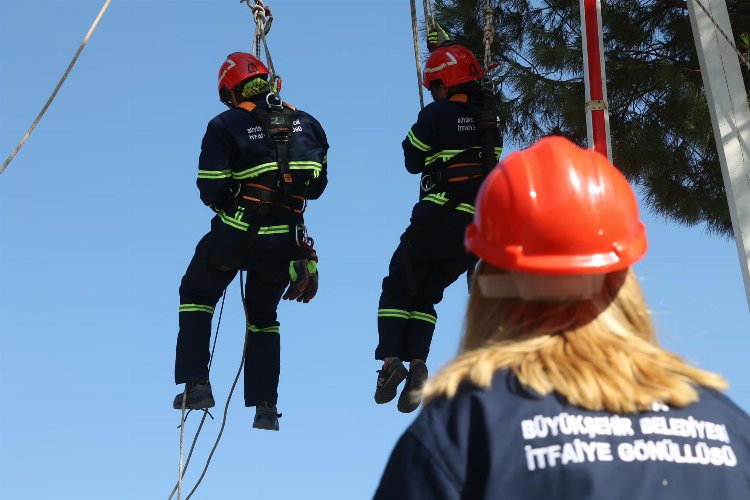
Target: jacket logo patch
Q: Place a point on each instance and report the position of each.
(466, 124)
(255, 133)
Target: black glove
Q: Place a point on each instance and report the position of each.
(303, 280)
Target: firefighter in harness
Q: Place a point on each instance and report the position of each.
(260, 161)
(453, 146)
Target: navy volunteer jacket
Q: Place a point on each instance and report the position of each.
(445, 139)
(236, 149)
(506, 443)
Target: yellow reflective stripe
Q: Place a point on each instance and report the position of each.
(438, 198)
(416, 142)
(273, 229)
(214, 174)
(307, 165)
(196, 308)
(447, 154)
(229, 221)
(255, 171)
(393, 313)
(498, 151)
(268, 329)
(465, 207)
(302, 165)
(423, 317)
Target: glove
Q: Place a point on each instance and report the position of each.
(303, 279)
(436, 36)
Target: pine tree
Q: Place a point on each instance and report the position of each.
(661, 131)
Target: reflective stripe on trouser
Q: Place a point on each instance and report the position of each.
(200, 290)
(203, 284)
(406, 322)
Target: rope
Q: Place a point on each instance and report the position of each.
(489, 35)
(429, 19)
(178, 487)
(231, 391)
(57, 88)
(262, 18)
(415, 36)
(723, 33)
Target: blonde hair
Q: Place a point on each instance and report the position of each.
(600, 354)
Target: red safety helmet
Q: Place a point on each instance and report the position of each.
(557, 209)
(239, 67)
(452, 65)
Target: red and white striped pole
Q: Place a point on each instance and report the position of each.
(597, 114)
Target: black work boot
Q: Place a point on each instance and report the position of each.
(266, 417)
(199, 397)
(389, 377)
(411, 395)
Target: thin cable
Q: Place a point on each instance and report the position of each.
(182, 435)
(723, 33)
(231, 391)
(57, 88)
(216, 335)
(415, 36)
(205, 412)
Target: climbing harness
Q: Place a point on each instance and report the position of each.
(277, 121)
(57, 88)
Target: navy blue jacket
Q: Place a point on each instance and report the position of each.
(506, 443)
(446, 134)
(235, 149)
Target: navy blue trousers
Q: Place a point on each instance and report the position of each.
(218, 257)
(429, 258)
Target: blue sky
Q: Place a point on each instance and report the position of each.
(99, 216)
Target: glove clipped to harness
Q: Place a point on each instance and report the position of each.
(303, 273)
(436, 36)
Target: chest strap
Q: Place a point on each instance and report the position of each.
(277, 120)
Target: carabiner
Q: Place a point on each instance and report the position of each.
(305, 240)
(426, 184)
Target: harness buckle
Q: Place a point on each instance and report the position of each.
(277, 103)
(426, 183)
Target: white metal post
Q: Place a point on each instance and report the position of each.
(730, 116)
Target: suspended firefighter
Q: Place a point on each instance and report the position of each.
(453, 146)
(560, 387)
(260, 161)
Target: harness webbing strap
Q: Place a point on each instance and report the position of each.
(261, 194)
(277, 122)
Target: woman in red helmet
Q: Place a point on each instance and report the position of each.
(453, 146)
(260, 161)
(560, 389)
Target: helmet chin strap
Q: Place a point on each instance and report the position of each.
(498, 283)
